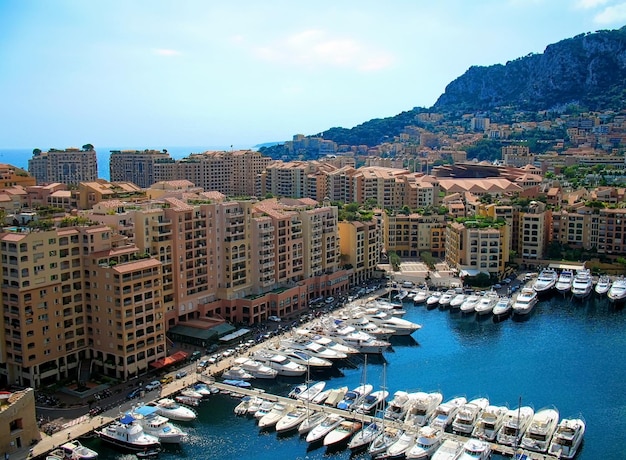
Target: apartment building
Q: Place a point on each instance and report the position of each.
(534, 223)
(474, 247)
(517, 155)
(77, 295)
(11, 176)
(410, 234)
(136, 166)
(70, 166)
(18, 421)
(361, 245)
(91, 193)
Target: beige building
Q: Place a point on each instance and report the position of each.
(535, 224)
(18, 421)
(361, 245)
(136, 166)
(70, 166)
(410, 234)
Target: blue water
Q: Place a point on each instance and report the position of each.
(567, 354)
(19, 157)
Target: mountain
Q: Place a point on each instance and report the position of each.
(588, 70)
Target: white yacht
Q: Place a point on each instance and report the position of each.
(256, 368)
(433, 300)
(469, 306)
(546, 281)
(76, 451)
(360, 340)
(468, 415)
(380, 444)
(283, 365)
(354, 397)
(127, 434)
(525, 301)
(232, 373)
(475, 449)
(157, 425)
(427, 442)
(363, 438)
(291, 420)
(445, 412)
(334, 345)
(363, 324)
(564, 282)
(399, 325)
(263, 409)
(311, 391)
(617, 292)
(372, 401)
(303, 358)
(603, 285)
(539, 433)
(423, 407)
(341, 433)
(514, 425)
(489, 423)
(502, 307)
(399, 405)
(567, 438)
(450, 449)
(582, 284)
(420, 296)
(446, 298)
(312, 348)
(277, 412)
(174, 411)
(458, 300)
(335, 396)
(312, 419)
(404, 442)
(487, 303)
(319, 432)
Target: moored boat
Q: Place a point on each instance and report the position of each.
(127, 434)
(525, 301)
(450, 449)
(330, 422)
(157, 425)
(363, 438)
(427, 442)
(76, 451)
(422, 408)
(567, 438)
(342, 433)
(539, 433)
(564, 282)
(487, 303)
(514, 425)
(469, 305)
(445, 412)
(468, 415)
(502, 307)
(617, 292)
(489, 423)
(582, 285)
(603, 285)
(546, 281)
(475, 449)
(173, 410)
(291, 420)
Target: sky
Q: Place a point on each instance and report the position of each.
(153, 73)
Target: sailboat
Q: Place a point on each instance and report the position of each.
(312, 419)
(363, 438)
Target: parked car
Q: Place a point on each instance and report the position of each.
(153, 385)
(196, 355)
(330, 299)
(181, 374)
(134, 394)
(276, 319)
(166, 379)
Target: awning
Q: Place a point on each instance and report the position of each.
(470, 272)
(179, 331)
(169, 360)
(234, 335)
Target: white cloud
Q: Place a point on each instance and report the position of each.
(589, 4)
(166, 52)
(611, 15)
(315, 48)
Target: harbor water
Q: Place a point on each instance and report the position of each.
(567, 354)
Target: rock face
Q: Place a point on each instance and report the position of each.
(589, 70)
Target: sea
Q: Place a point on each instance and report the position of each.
(567, 354)
(19, 156)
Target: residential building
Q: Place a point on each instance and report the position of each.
(361, 245)
(91, 193)
(18, 421)
(410, 234)
(136, 166)
(70, 166)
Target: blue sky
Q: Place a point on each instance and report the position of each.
(144, 74)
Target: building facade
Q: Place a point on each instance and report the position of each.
(70, 166)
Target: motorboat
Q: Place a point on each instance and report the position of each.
(603, 285)
(264, 408)
(282, 364)
(127, 434)
(514, 425)
(450, 449)
(321, 397)
(342, 433)
(56, 454)
(173, 410)
(256, 368)
(433, 300)
(277, 412)
(187, 400)
(423, 408)
(420, 296)
(546, 281)
(335, 396)
(539, 433)
(446, 298)
(404, 442)
(617, 292)
(291, 420)
(360, 340)
(310, 391)
(363, 324)
(354, 397)
(467, 416)
(254, 404)
(312, 348)
(489, 423)
(427, 441)
(401, 295)
(564, 282)
(372, 401)
(303, 358)
(582, 284)
(525, 301)
(475, 449)
(469, 306)
(76, 451)
(311, 421)
(191, 393)
(364, 437)
(237, 373)
(399, 405)
(157, 425)
(567, 438)
(400, 326)
(457, 301)
(244, 405)
(319, 432)
(446, 412)
(239, 383)
(502, 307)
(334, 345)
(203, 389)
(487, 303)
(380, 444)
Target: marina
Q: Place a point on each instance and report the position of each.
(457, 355)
